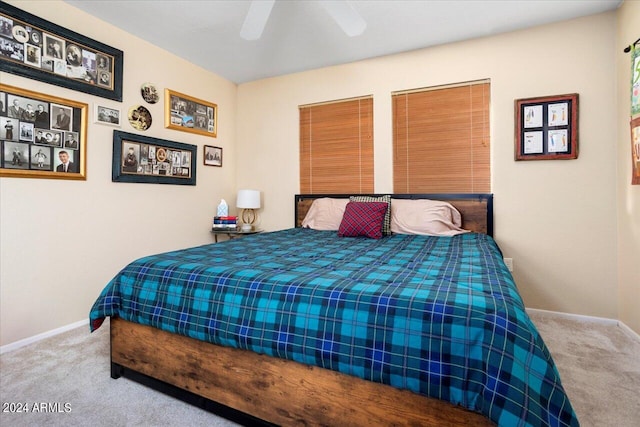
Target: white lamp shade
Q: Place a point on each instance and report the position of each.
(248, 199)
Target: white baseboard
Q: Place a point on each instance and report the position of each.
(18, 344)
(583, 318)
(593, 319)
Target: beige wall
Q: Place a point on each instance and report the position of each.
(62, 241)
(628, 195)
(557, 219)
(570, 234)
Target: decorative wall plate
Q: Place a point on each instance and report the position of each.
(149, 93)
(139, 117)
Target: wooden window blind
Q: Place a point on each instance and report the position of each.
(336, 147)
(441, 139)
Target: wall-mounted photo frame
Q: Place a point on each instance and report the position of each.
(547, 128)
(635, 78)
(106, 115)
(143, 159)
(41, 136)
(212, 155)
(189, 114)
(41, 50)
(635, 151)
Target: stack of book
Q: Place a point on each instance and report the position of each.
(225, 222)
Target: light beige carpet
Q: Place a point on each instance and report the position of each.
(73, 368)
(599, 366)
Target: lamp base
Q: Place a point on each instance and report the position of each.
(248, 216)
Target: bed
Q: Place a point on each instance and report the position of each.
(305, 327)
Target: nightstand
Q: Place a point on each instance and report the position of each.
(233, 233)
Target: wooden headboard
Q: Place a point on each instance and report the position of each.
(476, 208)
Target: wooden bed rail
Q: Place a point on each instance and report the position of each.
(267, 390)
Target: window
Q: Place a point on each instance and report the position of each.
(336, 147)
(441, 139)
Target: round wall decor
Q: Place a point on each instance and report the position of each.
(149, 93)
(139, 117)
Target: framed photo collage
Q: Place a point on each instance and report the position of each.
(35, 48)
(547, 128)
(41, 135)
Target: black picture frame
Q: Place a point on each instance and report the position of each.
(547, 128)
(157, 161)
(80, 63)
(37, 131)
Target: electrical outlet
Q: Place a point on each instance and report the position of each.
(509, 263)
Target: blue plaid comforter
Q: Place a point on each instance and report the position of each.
(440, 316)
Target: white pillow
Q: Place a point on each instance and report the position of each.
(425, 217)
(325, 214)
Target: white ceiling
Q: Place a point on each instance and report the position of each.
(301, 35)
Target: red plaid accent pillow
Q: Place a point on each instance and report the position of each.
(363, 219)
(386, 227)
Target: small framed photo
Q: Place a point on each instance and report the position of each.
(547, 128)
(212, 156)
(189, 114)
(106, 115)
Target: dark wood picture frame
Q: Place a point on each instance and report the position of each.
(547, 128)
(212, 156)
(37, 130)
(78, 63)
(143, 159)
(189, 114)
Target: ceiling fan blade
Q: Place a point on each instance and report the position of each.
(256, 19)
(346, 17)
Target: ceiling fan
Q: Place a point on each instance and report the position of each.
(341, 11)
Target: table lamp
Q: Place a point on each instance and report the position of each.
(248, 201)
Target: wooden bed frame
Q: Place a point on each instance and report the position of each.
(255, 389)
